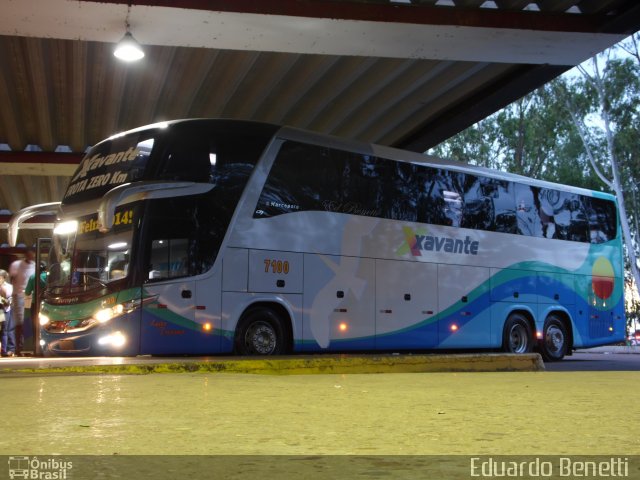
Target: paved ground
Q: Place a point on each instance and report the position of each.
(437, 413)
(502, 413)
(585, 361)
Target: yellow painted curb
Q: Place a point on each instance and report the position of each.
(318, 364)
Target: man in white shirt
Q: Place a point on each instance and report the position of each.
(20, 271)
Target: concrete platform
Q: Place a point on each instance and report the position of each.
(289, 365)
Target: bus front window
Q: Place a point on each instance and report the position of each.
(60, 256)
(85, 259)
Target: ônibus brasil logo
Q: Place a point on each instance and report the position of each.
(39, 469)
(418, 241)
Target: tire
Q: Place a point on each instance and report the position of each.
(260, 332)
(517, 337)
(555, 340)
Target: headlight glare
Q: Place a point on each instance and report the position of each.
(43, 319)
(107, 314)
(115, 339)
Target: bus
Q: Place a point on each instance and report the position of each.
(202, 236)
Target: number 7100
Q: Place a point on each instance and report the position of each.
(276, 266)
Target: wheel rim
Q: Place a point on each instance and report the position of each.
(261, 338)
(554, 340)
(518, 339)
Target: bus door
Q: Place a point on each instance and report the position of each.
(31, 331)
(181, 315)
(181, 286)
(168, 316)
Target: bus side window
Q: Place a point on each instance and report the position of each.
(171, 228)
(169, 258)
(528, 211)
(292, 185)
(444, 198)
(570, 219)
(602, 219)
(400, 189)
(504, 203)
(159, 252)
(489, 205)
(185, 234)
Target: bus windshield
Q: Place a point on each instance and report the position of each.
(83, 258)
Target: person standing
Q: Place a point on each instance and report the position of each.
(30, 289)
(7, 337)
(19, 272)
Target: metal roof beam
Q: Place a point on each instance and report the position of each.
(39, 222)
(324, 27)
(423, 14)
(39, 163)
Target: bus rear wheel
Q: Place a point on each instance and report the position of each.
(260, 332)
(517, 335)
(554, 340)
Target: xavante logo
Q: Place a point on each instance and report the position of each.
(418, 241)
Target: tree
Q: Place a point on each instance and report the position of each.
(476, 144)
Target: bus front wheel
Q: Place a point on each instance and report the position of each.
(554, 340)
(517, 334)
(260, 332)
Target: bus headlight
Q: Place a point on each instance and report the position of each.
(43, 319)
(107, 314)
(116, 339)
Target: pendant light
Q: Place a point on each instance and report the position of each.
(128, 49)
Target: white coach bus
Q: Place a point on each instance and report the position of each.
(217, 236)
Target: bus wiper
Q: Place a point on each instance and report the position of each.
(89, 282)
(55, 290)
(97, 280)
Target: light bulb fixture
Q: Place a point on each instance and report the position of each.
(128, 49)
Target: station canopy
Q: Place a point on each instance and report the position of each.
(405, 73)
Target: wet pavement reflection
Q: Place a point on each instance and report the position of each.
(219, 414)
